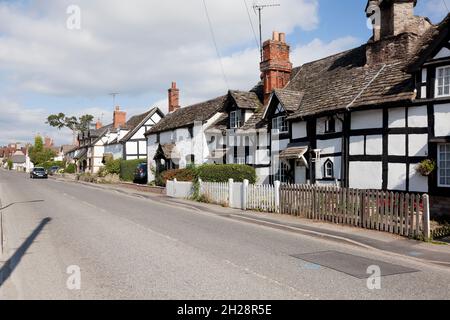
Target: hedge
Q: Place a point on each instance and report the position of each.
(188, 174)
(128, 168)
(113, 166)
(223, 172)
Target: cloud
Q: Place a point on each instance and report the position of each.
(135, 47)
(318, 49)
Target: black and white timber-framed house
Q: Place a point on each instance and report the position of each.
(367, 117)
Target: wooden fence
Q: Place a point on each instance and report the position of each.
(399, 213)
(261, 198)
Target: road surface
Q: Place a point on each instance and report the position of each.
(126, 247)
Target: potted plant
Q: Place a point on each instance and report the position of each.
(426, 167)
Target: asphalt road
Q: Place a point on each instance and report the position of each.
(128, 247)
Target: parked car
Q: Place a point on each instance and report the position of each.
(38, 173)
(53, 170)
(140, 175)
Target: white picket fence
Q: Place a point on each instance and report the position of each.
(217, 193)
(232, 194)
(261, 198)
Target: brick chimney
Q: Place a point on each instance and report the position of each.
(174, 98)
(394, 17)
(395, 29)
(98, 125)
(276, 67)
(119, 118)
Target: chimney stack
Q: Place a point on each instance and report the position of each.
(276, 67)
(98, 125)
(119, 118)
(174, 98)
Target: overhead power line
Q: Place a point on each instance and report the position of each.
(251, 24)
(215, 44)
(445, 4)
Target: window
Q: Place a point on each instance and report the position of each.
(280, 124)
(328, 169)
(443, 82)
(283, 173)
(235, 119)
(330, 125)
(444, 165)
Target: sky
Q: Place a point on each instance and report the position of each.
(51, 61)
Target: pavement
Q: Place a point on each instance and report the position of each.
(129, 244)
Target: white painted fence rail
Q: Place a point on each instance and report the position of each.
(239, 195)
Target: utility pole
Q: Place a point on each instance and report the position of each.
(259, 8)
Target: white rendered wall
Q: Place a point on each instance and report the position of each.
(417, 182)
(367, 119)
(397, 145)
(442, 120)
(366, 175)
(299, 130)
(418, 117)
(418, 145)
(397, 176)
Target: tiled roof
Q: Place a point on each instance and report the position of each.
(290, 100)
(185, 117)
(344, 80)
(430, 40)
(246, 100)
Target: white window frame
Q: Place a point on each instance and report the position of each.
(436, 87)
(277, 124)
(439, 165)
(326, 175)
(282, 172)
(235, 119)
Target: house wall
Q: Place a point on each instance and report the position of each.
(136, 146)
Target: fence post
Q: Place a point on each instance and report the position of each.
(200, 190)
(277, 185)
(426, 217)
(230, 192)
(244, 194)
(174, 189)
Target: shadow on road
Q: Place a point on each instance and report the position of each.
(13, 262)
(22, 202)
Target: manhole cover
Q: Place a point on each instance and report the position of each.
(352, 265)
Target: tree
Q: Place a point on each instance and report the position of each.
(61, 121)
(38, 153)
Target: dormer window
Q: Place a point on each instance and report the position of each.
(280, 124)
(235, 119)
(443, 82)
(330, 125)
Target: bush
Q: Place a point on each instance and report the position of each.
(113, 166)
(221, 173)
(10, 164)
(71, 168)
(128, 168)
(187, 174)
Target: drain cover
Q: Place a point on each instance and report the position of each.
(352, 265)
